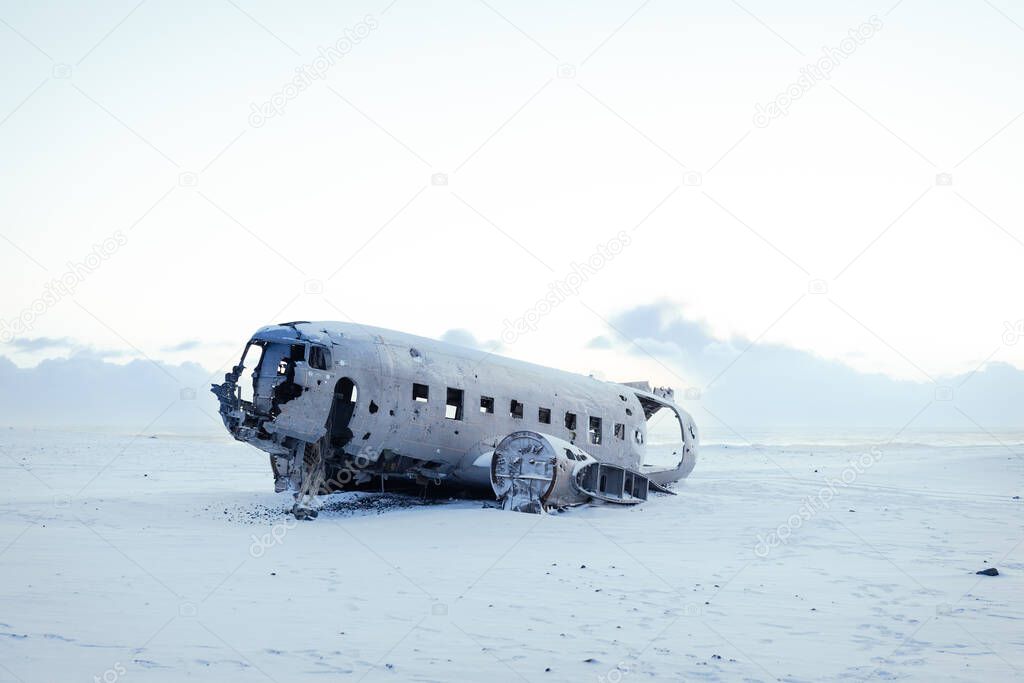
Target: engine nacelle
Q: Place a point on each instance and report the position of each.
(534, 472)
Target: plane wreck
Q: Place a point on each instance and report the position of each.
(341, 406)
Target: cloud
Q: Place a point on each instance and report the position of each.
(462, 337)
(187, 345)
(84, 352)
(770, 386)
(33, 344)
(599, 343)
(73, 347)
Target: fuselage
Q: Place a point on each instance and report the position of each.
(410, 406)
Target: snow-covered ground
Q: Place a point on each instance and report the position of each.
(166, 559)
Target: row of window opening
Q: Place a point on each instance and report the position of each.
(455, 406)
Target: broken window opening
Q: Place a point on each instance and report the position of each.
(638, 436)
(285, 390)
(374, 407)
(570, 421)
(247, 386)
(318, 357)
(620, 431)
(274, 377)
(453, 404)
(544, 416)
(516, 409)
(487, 405)
(573, 456)
(595, 431)
(420, 393)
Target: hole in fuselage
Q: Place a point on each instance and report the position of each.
(345, 396)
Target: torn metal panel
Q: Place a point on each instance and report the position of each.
(375, 405)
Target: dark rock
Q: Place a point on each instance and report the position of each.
(991, 571)
(302, 513)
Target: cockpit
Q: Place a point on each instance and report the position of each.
(267, 379)
(274, 370)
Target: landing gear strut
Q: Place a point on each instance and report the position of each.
(308, 480)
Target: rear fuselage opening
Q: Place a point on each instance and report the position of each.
(667, 437)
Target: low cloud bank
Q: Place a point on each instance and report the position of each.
(768, 386)
(742, 386)
(86, 391)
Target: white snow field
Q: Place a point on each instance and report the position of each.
(168, 559)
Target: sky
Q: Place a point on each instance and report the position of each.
(839, 183)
